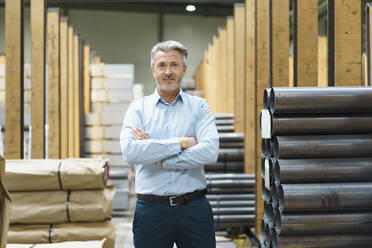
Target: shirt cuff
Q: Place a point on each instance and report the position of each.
(174, 146)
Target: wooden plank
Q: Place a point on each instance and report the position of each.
(223, 88)
(212, 73)
(96, 59)
(369, 42)
(322, 61)
(87, 100)
(290, 62)
(250, 128)
(344, 43)
(263, 82)
(2, 59)
(239, 31)
(38, 37)
(230, 65)
(279, 43)
(14, 79)
(64, 86)
(305, 44)
(71, 135)
(364, 70)
(76, 97)
(54, 113)
(217, 71)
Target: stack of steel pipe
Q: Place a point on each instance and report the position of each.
(232, 199)
(317, 167)
(225, 123)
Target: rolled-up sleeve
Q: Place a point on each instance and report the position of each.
(144, 151)
(206, 151)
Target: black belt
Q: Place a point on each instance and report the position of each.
(172, 201)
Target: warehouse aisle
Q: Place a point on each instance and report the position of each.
(124, 236)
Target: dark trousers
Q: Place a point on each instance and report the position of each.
(189, 226)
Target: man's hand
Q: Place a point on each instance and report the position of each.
(187, 142)
(139, 134)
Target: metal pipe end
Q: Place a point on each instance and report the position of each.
(265, 192)
(278, 221)
(271, 148)
(266, 98)
(263, 233)
(265, 124)
(274, 238)
(276, 147)
(270, 215)
(263, 167)
(274, 196)
(264, 148)
(272, 101)
(280, 194)
(277, 172)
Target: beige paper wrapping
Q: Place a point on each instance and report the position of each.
(52, 207)
(37, 234)
(5, 204)
(76, 244)
(42, 174)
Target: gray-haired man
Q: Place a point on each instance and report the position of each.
(169, 136)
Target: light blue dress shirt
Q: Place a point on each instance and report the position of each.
(182, 171)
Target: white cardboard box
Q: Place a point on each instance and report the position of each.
(110, 107)
(112, 83)
(105, 118)
(112, 96)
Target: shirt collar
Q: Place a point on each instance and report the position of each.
(157, 97)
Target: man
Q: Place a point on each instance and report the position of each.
(169, 136)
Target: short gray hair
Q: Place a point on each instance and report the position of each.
(166, 46)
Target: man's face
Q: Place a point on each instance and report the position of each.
(168, 70)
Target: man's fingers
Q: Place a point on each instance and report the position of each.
(139, 134)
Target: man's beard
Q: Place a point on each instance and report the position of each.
(168, 88)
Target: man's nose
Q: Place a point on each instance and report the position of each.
(168, 70)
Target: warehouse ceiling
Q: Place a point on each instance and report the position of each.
(203, 7)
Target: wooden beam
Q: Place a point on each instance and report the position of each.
(64, 86)
(54, 113)
(344, 43)
(263, 82)
(230, 65)
(87, 100)
(76, 97)
(322, 61)
(279, 43)
(213, 82)
(222, 69)
(305, 43)
(250, 128)
(14, 79)
(71, 119)
(369, 42)
(217, 70)
(290, 62)
(38, 37)
(239, 31)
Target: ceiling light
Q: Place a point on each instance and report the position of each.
(190, 8)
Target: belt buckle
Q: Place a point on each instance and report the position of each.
(171, 203)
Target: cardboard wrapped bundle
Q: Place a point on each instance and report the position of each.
(55, 174)
(38, 234)
(53, 207)
(5, 202)
(76, 244)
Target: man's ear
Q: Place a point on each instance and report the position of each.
(184, 70)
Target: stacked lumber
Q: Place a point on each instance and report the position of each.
(59, 200)
(317, 167)
(112, 92)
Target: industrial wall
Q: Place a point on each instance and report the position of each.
(127, 37)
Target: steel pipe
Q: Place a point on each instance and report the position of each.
(230, 197)
(232, 145)
(238, 190)
(233, 166)
(266, 98)
(301, 100)
(322, 241)
(333, 223)
(240, 176)
(231, 155)
(288, 171)
(233, 211)
(279, 126)
(231, 137)
(325, 197)
(230, 183)
(224, 122)
(322, 146)
(225, 129)
(233, 203)
(224, 116)
(240, 218)
(224, 226)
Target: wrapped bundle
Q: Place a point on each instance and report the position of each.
(76, 244)
(53, 207)
(38, 234)
(5, 202)
(55, 174)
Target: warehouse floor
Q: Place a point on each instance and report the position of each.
(124, 236)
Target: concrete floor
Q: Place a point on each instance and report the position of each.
(124, 235)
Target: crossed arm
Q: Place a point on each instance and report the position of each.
(174, 153)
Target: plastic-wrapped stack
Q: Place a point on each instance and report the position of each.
(230, 191)
(59, 200)
(87, 244)
(317, 167)
(111, 94)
